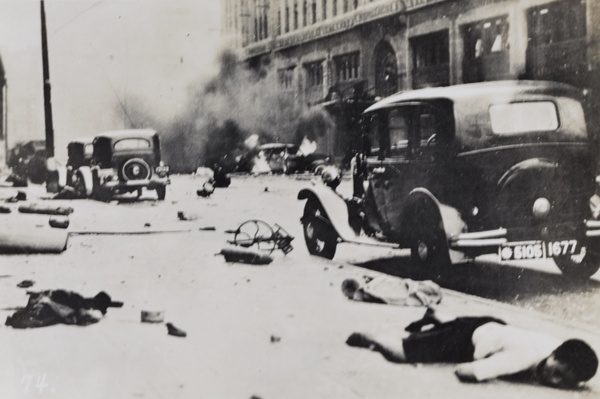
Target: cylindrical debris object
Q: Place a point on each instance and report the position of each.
(31, 239)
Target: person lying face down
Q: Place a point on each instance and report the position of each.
(485, 348)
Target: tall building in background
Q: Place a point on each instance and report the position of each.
(343, 54)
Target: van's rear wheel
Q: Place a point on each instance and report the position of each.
(579, 267)
(319, 235)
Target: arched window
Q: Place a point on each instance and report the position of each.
(386, 70)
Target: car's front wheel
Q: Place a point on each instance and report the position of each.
(319, 235)
(579, 267)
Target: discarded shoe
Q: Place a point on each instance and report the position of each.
(177, 332)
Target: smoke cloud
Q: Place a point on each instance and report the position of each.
(221, 113)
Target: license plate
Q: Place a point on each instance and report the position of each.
(538, 249)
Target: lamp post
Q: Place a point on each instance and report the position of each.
(47, 101)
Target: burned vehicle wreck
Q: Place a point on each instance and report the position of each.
(456, 172)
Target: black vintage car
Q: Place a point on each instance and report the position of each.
(457, 172)
(127, 161)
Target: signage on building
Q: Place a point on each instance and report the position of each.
(338, 25)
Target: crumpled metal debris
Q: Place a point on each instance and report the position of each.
(261, 235)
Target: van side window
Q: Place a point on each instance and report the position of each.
(398, 132)
(428, 127)
(377, 140)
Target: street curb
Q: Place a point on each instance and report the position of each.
(530, 313)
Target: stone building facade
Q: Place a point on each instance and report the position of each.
(345, 53)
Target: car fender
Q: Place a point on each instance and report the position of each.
(450, 218)
(86, 175)
(335, 208)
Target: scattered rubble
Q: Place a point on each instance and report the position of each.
(177, 332)
(21, 196)
(59, 222)
(275, 339)
(237, 255)
(46, 210)
(186, 216)
(153, 316)
(26, 284)
(207, 190)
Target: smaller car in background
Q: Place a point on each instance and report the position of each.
(281, 158)
(313, 162)
(127, 161)
(27, 162)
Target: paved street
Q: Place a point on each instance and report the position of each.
(274, 331)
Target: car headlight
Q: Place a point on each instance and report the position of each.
(541, 207)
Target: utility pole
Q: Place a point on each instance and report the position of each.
(47, 97)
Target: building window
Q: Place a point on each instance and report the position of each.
(346, 66)
(486, 55)
(345, 6)
(386, 70)
(286, 77)
(430, 61)
(304, 12)
(324, 9)
(314, 74)
(556, 48)
(334, 10)
(295, 15)
(314, 11)
(287, 19)
(556, 22)
(355, 4)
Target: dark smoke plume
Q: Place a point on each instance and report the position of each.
(222, 113)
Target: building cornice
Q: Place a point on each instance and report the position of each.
(342, 23)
